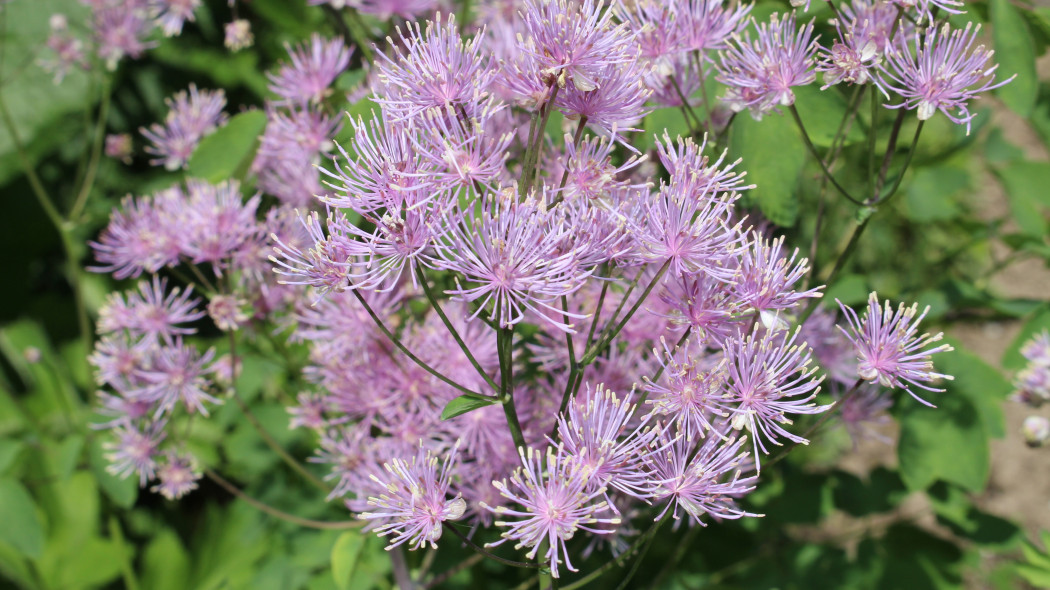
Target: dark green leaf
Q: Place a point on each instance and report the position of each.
(977, 381)
(773, 155)
(933, 193)
(945, 443)
(10, 449)
(345, 554)
(463, 404)
(1016, 55)
(228, 152)
(21, 527)
(1026, 187)
(166, 563)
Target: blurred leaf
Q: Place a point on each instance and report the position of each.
(463, 404)
(1012, 358)
(933, 193)
(21, 527)
(166, 565)
(821, 112)
(851, 289)
(913, 558)
(67, 456)
(227, 70)
(228, 152)
(1037, 570)
(1026, 187)
(932, 441)
(999, 150)
(773, 156)
(33, 100)
(345, 554)
(94, 562)
(1016, 55)
(121, 491)
(10, 449)
(881, 492)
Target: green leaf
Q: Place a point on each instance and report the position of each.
(166, 565)
(1026, 188)
(852, 289)
(933, 193)
(821, 112)
(21, 528)
(345, 554)
(980, 383)
(944, 443)
(228, 152)
(463, 404)
(657, 122)
(10, 449)
(1012, 358)
(773, 155)
(1016, 55)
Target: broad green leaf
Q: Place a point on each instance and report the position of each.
(21, 527)
(822, 113)
(463, 404)
(66, 456)
(10, 449)
(93, 562)
(933, 193)
(42, 111)
(345, 554)
(945, 443)
(1026, 188)
(228, 152)
(983, 385)
(166, 565)
(1038, 577)
(851, 289)
(1016, 55)
(1012, 358)
(773, 155)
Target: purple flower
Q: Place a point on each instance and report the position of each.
(178, 476)
(238, 34)
(315, 65)
(566, 42)
(556, 503)
(769, 378)
(135, 451)
(597, 434)
(701, 303)
(692, 389)
(760, 74)
(386, 9)
(615, 103)
(437, 69)
(944, 72)
(862, 410)
(708, 483)
(153, 315)
(117, 359)
(693, 173)
(509, 256)
(143, 235)
(325, 265)
(171, 14)
(888, 348)
(690, 231)
(121, 28)
(178, 374)
(708, 25)
(766, 277)
(189, 119)
(68, 50)
(415, 501)
(463, 153)
(217, 221)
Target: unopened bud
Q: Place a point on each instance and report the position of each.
(1036, 430)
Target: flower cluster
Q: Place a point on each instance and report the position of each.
(622, 333)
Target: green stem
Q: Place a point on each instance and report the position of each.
(96, 154)
(530, 167)
(594, 575)
(276, 513)
(839, 264)
(813, 150)
(607, 336)
(891, 145)
(504, 348)
(481, 551)
(397, 342)
(452, 329)
(907, 162)
(266, 436)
